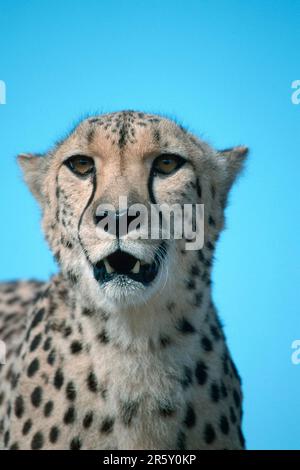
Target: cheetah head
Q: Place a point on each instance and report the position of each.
(149, 160)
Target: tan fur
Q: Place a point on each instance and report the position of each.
(148, 367)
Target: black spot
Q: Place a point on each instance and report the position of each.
(36, 396)
(47, 344)
(14, 446)
(57, 253)
(103, 337)
(181, 441)
(211, 221)
(190, 417)
(232, 415)
(76, 347)
(58, 379)
(37, 441)
(19, 406)
(38, 318)
(201, 373)
(53, 435)
(70, 415)
(67, 331)
(92, 382)
(88, 419)
(165, 341)
(87, 313)
(51, 357)
(195, 271)
(210, 246)
(33, 367)
(75, 443)
(26, 427)
(225, 365)
(107, 425)
(171, 306)
(103, 392)
(128, 411)
(156, 135)
(198, 299)
(13, 300)
(206, 344)
(190, 284)
(70, 391)
(90, 135)
(237, 398)
(8, 410)
(35, 342)
(215, 332)
(224, 424)
(97, 120)
(184, 326)
(224, 390)
(48, 408)
(122, 136)
(166, 409)
(6, 438)
(72, 277)
(209, 434)
(215, 392)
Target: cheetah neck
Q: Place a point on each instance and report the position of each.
(150, 326)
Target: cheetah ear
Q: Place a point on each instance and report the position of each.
(34, 170)
(231, 162)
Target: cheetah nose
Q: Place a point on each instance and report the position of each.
(115, 222)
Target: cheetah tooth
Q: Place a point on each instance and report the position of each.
(136, 267)
(108, 267)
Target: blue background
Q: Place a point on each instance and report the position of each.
(224, 69)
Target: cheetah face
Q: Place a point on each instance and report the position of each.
(146, 159)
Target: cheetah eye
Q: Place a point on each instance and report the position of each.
(168, 163)
(80, 165)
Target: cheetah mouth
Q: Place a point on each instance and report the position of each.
(122, 265)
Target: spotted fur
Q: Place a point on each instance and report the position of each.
(90, 367)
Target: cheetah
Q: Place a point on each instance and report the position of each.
(123, 348)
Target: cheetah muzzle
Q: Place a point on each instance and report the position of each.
(121, 267)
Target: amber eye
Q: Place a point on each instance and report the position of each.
(80, 165)
(168, 163)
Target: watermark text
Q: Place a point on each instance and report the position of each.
(2, 92)
(296, 354)
(296, 94)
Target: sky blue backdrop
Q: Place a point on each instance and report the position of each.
(225, 70)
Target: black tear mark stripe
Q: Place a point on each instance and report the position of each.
(81, 217)
(199, 189)
(57, 196)
(150, 186)
(151, 194)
